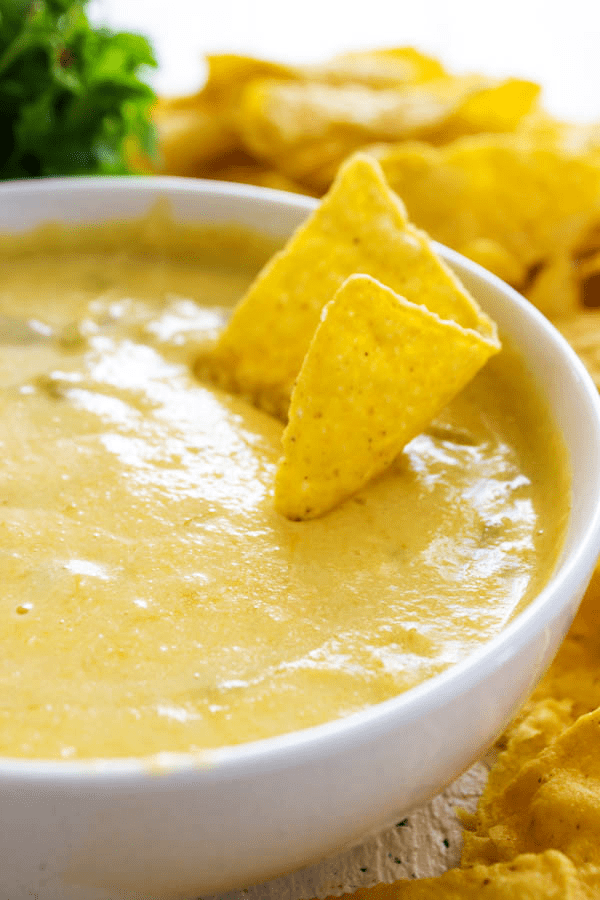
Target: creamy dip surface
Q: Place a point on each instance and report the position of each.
(152, 599)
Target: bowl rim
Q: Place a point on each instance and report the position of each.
(286, 750)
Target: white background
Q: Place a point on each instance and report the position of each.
(554, 43)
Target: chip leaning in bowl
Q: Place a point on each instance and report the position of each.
(322, 339)
(154, 599)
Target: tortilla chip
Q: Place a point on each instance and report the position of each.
(588, 273)
(307, 129)
(191, 133)
(533, 202)
(241, 168)
(196, 131)
(360, 226)
(547, 876)
(535, 728)
(575, 672)
(569, 137)
(495, 258)
(582, 330)
(554, 800)
(555, 290)
(229, 73)
(377, 371)
(498, 107)
(387, 67)
(590, 243)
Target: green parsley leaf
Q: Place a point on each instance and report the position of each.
(72, 100)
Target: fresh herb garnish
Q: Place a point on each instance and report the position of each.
(71, 98)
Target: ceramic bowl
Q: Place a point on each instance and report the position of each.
(187, 826)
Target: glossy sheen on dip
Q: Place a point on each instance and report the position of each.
(152, 599)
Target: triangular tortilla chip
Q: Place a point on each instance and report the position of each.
(531, 876)
(360, 226)
(377, 371)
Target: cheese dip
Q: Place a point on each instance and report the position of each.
(152, 599)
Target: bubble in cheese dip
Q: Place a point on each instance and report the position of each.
(152, 599)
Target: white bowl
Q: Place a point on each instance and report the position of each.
(96, 831)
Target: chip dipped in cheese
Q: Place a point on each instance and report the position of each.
(377, 371)
(360, 227)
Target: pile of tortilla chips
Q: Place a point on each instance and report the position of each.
(477, 161)
(484, 169)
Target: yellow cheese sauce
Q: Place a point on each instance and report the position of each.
(151, 598)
